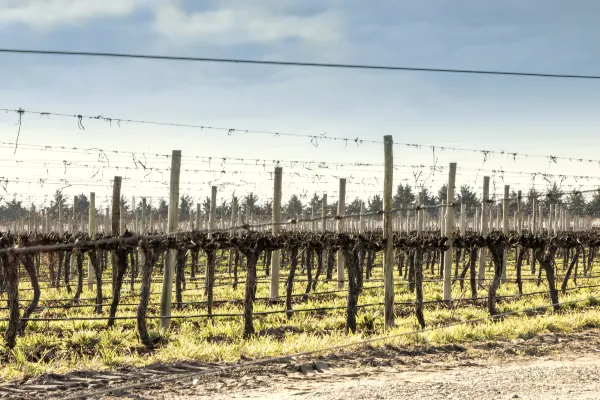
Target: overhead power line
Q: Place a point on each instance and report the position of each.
(294, 63)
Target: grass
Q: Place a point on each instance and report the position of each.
(60, 347)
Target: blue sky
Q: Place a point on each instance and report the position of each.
(541, 116)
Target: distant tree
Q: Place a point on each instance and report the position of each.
(375, 203)
(553, 195)
(593, 207)
(332, 208)
(13, 210)
(314, 203)
(206, 205)
(468, 197)
(163, 208)
(532, 195)
(59, 198)
(224, 209)
(429, 200)
(294, 207)
(576, 204)
(354, 206)
(267, 209)
(249, 205)
(404, 196)
(185, 207)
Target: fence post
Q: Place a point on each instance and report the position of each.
(388, 232)
(324, 213)
(340, 228)
(169, 270)
(60, 218)
(448, 232)
(143, 228)
(505, 226)
(92, 233)
(485, 208)
(276, 228)
(116, 221)
(463, 218)
(198, 214)
(362, 218)
(519, 226)
(231, 231)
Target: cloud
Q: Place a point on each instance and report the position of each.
(246, 23)
(230, 24)
(53, 13)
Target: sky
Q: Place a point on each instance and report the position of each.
(540, 116)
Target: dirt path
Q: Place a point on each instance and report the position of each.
(561, 366)
(549, 367)
(549, 379)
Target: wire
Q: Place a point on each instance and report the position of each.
(313, 138)
(294, 63)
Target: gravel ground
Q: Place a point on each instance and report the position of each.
(549, 379)
(552, 366)
(547, 367)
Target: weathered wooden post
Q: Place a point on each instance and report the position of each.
(324, 213)
(485, 208)
(448, 232)
(198, 215)
(60, 219)
(340, 228)
(505, 227)
(116, 224)
(144, 226)
(388, 232)
(362, 218)
(276, 228)
(173, 215)
(92, 233)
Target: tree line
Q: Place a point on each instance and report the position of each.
(405, 196)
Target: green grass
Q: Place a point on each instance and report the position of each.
(64, 346)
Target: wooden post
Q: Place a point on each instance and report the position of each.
(463, 220)
(519, 225)
(212, 218)
(144, 226)
(485, 207)
(388, 232)
(505, 227)
(198, 214)
(340, 228)
(231, 230)
(276, 228)
(324, 213)
(448, 232)
(116, 222)
(362, 218)
(60, 219)
(169, 270)
(92, 232)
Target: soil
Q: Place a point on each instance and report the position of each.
(554, 366)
